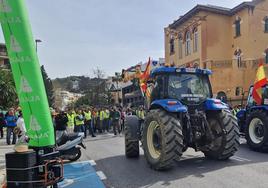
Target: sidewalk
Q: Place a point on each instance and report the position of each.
(4, 148)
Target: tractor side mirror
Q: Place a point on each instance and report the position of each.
(237, 91)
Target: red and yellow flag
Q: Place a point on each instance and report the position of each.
(260, 81)
(145, 77)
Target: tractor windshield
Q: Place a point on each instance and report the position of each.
(189, 87)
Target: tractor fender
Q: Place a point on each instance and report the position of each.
(215, 104)
(260, 107)
(133, 127)
(169, 105)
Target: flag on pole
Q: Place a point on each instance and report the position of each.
(144, 77)
(260, 81)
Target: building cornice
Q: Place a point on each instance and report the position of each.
(213, 9)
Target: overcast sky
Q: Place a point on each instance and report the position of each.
(79, 35)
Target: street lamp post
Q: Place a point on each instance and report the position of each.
(37, 41)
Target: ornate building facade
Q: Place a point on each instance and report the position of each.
(230, 42)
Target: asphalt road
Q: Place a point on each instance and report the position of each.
(246, 169)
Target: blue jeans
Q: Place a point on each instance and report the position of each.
(79, 128)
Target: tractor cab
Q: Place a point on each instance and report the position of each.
(250, 100)
(189, 86)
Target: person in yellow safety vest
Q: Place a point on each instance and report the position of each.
(98, 119)
(101, 114)
(79, 121)
(141, 114)
(70, 123)
(88, 123)
(106, 120)
(94, 119)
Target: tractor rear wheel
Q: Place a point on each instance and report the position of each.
(132, 148)
(225, 131)
(162, 139)
(257, 131)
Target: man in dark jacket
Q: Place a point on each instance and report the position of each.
(61, 121)
(115, 116)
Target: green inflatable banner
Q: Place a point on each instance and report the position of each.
(26, 72)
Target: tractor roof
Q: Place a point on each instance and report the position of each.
(180, 70)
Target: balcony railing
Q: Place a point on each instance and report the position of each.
(234, 63)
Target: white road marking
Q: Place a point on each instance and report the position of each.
(101, 175)
(67, 182)
(241, 159)
(78, 162)
(92, 162)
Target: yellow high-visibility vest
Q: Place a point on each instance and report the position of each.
(70, 120)
(107, 114)
(88, 115)
(77, 121)
(102, 113)
(140, 114)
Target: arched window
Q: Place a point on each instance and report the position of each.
(195, 33)
(222, 96)
(237, 24)
(188, 43)
(180, 46)
(266, 24)
(171, 46)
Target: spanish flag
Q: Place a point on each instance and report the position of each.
(145, 77)
(260, 81)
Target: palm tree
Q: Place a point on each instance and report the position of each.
(8, 95)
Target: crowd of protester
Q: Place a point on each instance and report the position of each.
(94, 120)
(90, 121)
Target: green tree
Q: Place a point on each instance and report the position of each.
(8, 95)
(48, 86)
(96, 90)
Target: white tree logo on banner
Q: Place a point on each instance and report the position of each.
(34, 125)
(14, 45)
(25, 86)
(4, 6)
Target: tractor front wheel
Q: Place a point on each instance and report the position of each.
(162, 139)
(225, 131)
(257, 131)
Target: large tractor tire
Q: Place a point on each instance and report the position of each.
(225, 131)
(257, 131)
(132, 148)
(162, 139)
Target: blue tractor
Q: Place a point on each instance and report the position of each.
(253, 121)
(182, 114)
